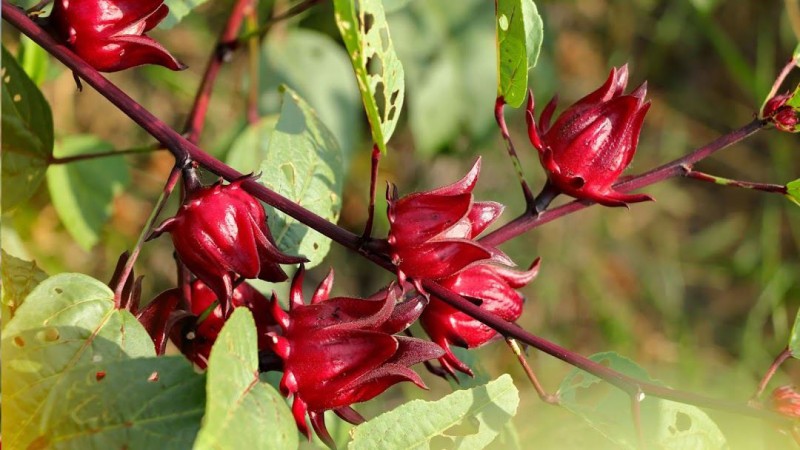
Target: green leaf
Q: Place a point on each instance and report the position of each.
(665, 424)
(794, 337)
(83, 191)
(34, 60)
(379, 73)
(793, 191)
(134, 403)
(19, 278)
(240, 408)
(27, 134)
(465, 419)
(252, 145)
(302, 162)
(178, 9)
(67, 322)
(519, 39)
(295, 58)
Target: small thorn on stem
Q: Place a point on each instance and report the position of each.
(550, 399)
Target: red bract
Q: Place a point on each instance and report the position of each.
(340, 351)
(220, 233)
(593, 141)
(786, 400)
(109, 34)
(493, 289)
(432, 233)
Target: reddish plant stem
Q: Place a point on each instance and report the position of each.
(780, 359)
(70, 159)
(776, 85)
(499, 116)
(764, 187)
(529, 221)
(373, 181)
(546, 397)
(221, 54)
(289, 13)
(186, 151)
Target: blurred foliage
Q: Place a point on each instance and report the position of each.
(700, 287)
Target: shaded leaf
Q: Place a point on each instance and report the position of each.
(296, 58)
(379, 73)
(19, 278)
(465, 419)
(33, 59)
(27, 134)
(83, 191)
(519, 40)
(794, 337)
(242, 411)
(665, 424)
(133, 403)
(252, 145)
(67, 322)
(178, 9)
(303, 163)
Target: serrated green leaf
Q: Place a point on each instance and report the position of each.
(242, 411)
(302, 162)
(34, 60)
(665, 424)
(479, 414)
(178, 9)
(19, 277)
(83, 191)
(379, 72)
(519, 39)
(295, 58)
(67, 322)
(27, 134)
(133, 403)
(793, 191)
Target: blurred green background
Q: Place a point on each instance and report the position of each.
(700, 287)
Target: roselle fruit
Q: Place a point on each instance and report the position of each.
(220, 233)
(493, 288)
(786, 400)
(110, 34)
(432, 234)
(340, 351)
(593, 141)
(782, 115)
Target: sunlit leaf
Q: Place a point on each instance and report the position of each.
(83, 191)
(302, 161)
(34, 60)
(379, 73)
(465, 419)
(27, 134)
(19, 278)
(793, 191)
(178, 9)
(241, 410)
(665, 424)
(68, 322)
(519, 40)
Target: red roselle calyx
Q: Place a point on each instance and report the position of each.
(340, 351)
(786, 400)
(782, 115)
(493, 289)
(221, 234)
(109, 34)
(593, 141)
(432, 233)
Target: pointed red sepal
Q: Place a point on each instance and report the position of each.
(324, 289)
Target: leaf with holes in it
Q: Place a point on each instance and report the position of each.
(519, 40)
(303, 163)
(67, 322)
(379, 73)
(240, 408)
(468, 419)
(83, 191)
(27, 134)
(178, 9)
(665, 424)
(793, 191)
(19, 277)
(132, 403)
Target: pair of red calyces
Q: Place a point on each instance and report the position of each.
(110, 34)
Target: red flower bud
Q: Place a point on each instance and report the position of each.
(109, 34)
(493, 289)
(786, 400)
(783, 116)
(432, 233)
(340, 351)
(220, 233)
(593, 141)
